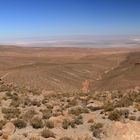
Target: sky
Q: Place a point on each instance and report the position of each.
(42, 18)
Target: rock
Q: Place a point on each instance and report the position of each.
(17, 137)
(96, 105)
(8, 130)
(123, 131)
(48, 93)
(57, 120)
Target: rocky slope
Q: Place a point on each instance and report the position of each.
(29, 114)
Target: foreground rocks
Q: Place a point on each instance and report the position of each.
(29, 114)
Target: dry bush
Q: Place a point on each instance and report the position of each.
(5, 88)
(10, 113)
(91, 121)
(2, 123)
(78, 110)
(78, 120)
(65, 123)
(34, 138)
(47, 113)
(37, 122)
(124, 102)
(19, 123)
(49, 106)
(137, 106)
(28, 115)
(15, 103)
(88, 138)
(132, 118)
(138, 119)
(49, 124)
(72, 102)
(115, 115)
(46, 133)
(66, 138)
(96, 129)
(36, 103)
(124, 112)
(108, 107)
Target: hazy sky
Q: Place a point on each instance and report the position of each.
(37, 18)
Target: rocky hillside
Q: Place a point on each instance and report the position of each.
(29, 114)
(126, 75)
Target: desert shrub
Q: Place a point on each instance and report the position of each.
(96, 126)
(34, 91)
(10, 113)
(44, 101)
(96, 129)
(72, 124)
(108, 107)
(19, 123)
(8, 93)
(138, 119)
(2, 123)
(13, 96)
(49, 124)
(124, 112)
(91, 121)
(28, 115)
(49, 106)
(26, 101)
(124, 102)
(37, 122)
(72, 102)
(115, 115)
(47, 113)
(66, 138)
(46, 133)
(4, 88)
(132, 118)
(137, 106)
(78, 110)
(92, 108)
(88, 138)
(65, 123)
(34, 138)
(78, 120)
(15, 103)
(36, 103)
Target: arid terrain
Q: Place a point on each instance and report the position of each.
(69, 93)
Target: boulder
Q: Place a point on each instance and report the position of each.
(8, 130)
